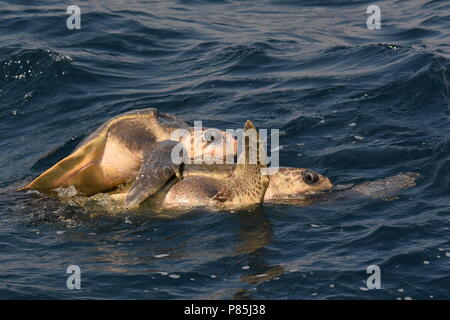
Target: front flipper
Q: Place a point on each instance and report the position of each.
(156, 169)
(247, 185)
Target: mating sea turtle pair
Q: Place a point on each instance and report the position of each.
(129, 158)
(136, 147)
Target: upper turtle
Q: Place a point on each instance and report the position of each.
(134, 146)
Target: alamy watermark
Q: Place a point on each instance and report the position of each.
(74, 280)
(374, 20)
(74, 19)
(374, 280)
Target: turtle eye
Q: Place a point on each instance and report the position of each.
(310, 177)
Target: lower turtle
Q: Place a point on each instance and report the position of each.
(290, 186)
(201, 181)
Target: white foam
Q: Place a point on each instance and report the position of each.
(261, 275)
(363, 289)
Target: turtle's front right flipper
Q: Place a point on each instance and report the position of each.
(156, 169)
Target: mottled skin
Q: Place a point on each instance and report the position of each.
(294, 182)
(133, 144)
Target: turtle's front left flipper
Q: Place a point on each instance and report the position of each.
(247, 185)
(156, 169)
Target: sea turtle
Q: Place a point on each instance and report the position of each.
(135, 146)
(287, 186)
(201, 181)
(290, 186)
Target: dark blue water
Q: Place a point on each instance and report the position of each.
(351, 103)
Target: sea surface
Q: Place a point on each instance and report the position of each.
(351, 103)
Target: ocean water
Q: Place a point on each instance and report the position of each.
(351, 103)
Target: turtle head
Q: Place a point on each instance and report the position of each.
(209, 144)
(294, 182)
